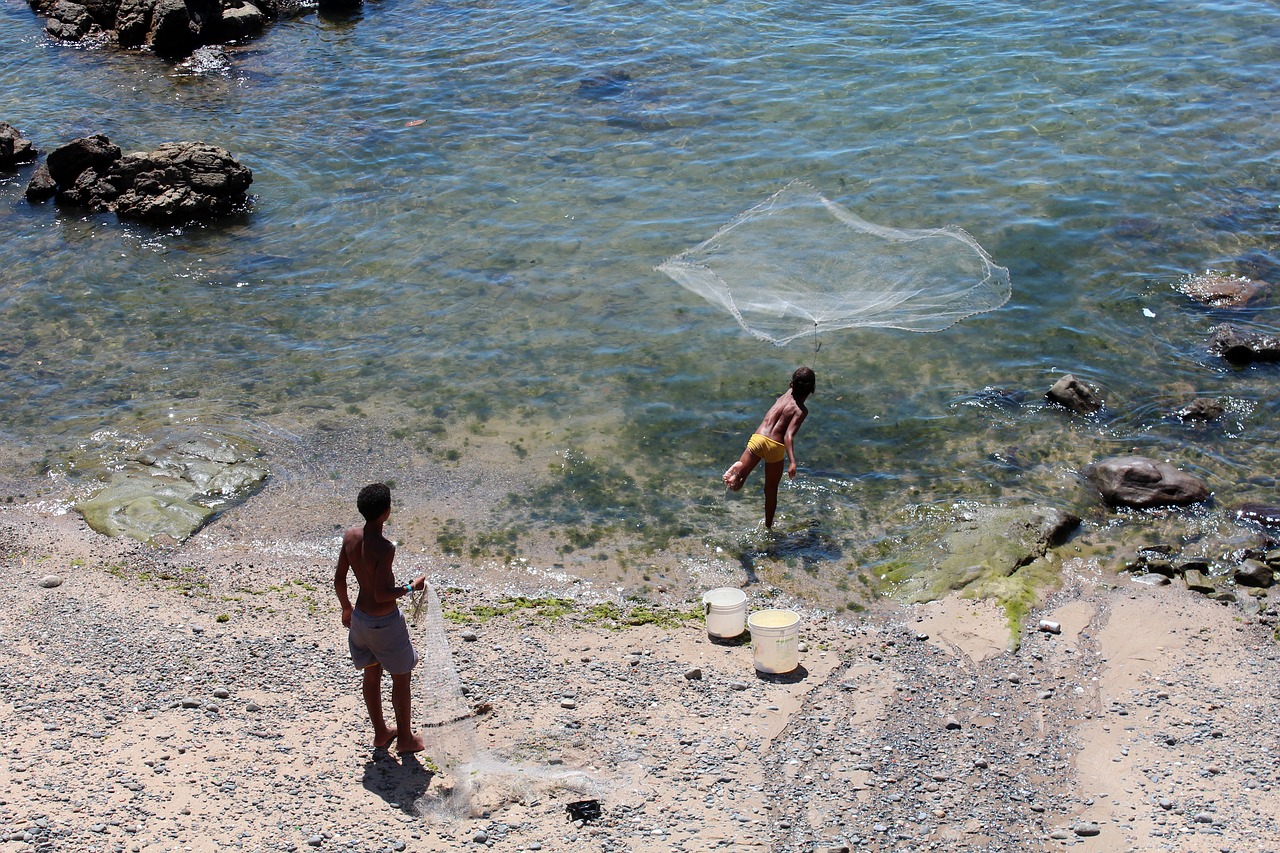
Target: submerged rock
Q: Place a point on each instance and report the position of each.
(1264, 514)
(1241, 346)
(1201, 409)
(1074, 395)
(1220, 290)
(1137, 481)
(171, 487)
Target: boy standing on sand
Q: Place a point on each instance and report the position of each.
(773, 440)
(378, 636)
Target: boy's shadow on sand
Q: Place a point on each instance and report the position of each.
(401, 783)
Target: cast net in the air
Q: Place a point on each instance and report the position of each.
(798, 264)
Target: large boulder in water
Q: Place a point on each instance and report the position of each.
(1137, 481)
(178, 182)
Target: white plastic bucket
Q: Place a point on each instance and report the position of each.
(775, 640)
(726, 612)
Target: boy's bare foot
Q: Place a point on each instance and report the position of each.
(381, 740)
(732, 479)
(412, 743)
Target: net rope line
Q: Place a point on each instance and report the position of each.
(798, 262)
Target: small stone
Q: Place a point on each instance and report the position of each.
(1203, 817)
(468, 636)
(737, 685)
(952, 724)
(50, 581)
(481, 837)
(568, 703)
(694, 674)
(221, 693)
(315, 841)
(1087, 829)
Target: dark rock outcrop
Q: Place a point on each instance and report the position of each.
(1241, 346)
(1137, 481)
(171, 28)
(67, 162)
(42, 186)
(1074, 395)
(15, 149)
(178, 182)
(180, 26)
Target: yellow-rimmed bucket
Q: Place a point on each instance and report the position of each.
(775, 640)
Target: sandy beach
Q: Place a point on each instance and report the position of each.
(202, 699)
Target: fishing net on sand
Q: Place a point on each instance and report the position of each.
(473, 781)
(798, 264)
(445, 715)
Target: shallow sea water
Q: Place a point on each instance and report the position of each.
(458, 207)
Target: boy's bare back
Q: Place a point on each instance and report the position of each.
(370, 555)
(784, 416)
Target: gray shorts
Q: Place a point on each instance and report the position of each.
(382, 640)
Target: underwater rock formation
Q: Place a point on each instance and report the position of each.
(170, 487)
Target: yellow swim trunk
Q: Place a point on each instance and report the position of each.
(766, 448)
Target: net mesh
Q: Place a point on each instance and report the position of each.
(437, 681)
(798, 263)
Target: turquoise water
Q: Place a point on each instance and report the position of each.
(452, 236)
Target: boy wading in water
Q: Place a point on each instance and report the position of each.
(773, 440)
(378, 635)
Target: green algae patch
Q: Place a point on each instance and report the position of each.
(996, 553)
(544, 608)
(605, 614)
